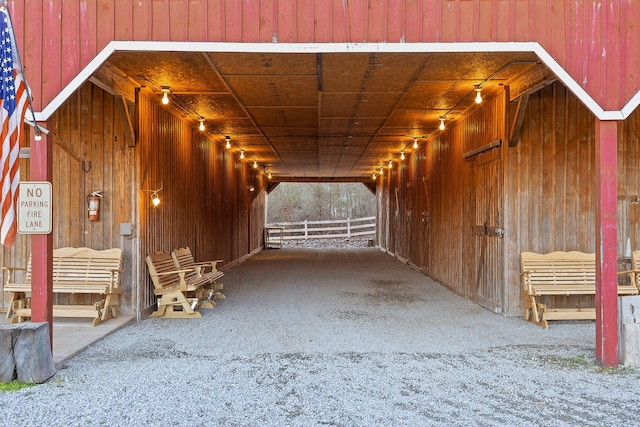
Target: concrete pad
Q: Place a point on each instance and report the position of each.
(72, 335)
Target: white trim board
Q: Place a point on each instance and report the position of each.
(154, 46)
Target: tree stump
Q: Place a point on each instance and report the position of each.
(25, 353)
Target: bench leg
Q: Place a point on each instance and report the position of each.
(15, 296)
(169, 302)
(106, 309)
(534, 312)
(204, 299)
(218, 287)
(21, 309)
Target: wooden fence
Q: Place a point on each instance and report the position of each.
(340, 228)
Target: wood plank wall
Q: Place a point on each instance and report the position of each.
(541, 191)
(92, 151)
(205, 201)
(206, 204)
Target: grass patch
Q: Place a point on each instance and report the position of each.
(14, 385)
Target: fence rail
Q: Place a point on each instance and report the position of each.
(304, 230)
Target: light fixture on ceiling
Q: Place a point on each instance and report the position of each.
(390, 164)
(228, 142)
(381, 170)
(242, 154)
(374, 176)
(165, 96)
(269, 176)
(201, 127)
(415, 143)
(441, 123)
(402, 155)
(478, 94)
(255, 164)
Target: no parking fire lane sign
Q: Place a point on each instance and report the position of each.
(34, 208)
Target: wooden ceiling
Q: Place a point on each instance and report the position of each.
(329, 116)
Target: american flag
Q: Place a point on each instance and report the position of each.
(14, 106)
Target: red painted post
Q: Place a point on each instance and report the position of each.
(606, 233)
(42, 244)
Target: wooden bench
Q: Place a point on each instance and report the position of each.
(634, 273)
(183, 260)
(560, 274)
(179, 292)
(75, 271)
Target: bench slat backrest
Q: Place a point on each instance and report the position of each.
(86, 266)
(183, 260)
(80, 266)
(158, 263)
(559, 268)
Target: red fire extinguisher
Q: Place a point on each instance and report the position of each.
(93, 199)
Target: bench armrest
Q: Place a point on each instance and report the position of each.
(628, 271)
(164, 273)
(10, 270)
(206, 264)
(14, 268)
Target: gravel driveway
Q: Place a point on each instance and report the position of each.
(344, 337)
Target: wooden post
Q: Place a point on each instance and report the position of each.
(42, 244)
(606, 233)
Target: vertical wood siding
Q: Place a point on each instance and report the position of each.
(541, 191)
(205, 201)
(91, 128)
(597, 42)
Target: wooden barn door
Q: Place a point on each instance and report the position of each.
(486, 229)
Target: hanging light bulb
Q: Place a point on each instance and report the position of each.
(255, 164)
(478, 95)
(201, 125)
(269, 176)
(374, 175)
(402, 155)
(381, 170)
(242, 154)
(228, 139)
(165, 97)
(155, 200)
(441, 123)
(38, 136)
(390, 164)
(415, 143)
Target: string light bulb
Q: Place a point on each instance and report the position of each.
(155, 199)
(242, 154)
(255, 164)
(228, 140)
(165, 96)
(269, 176)
(415, 143)
(201, 127)
(390, 164)
(38, 136)
(381, 170)
(441, 123)
(402, 155)
(478, 94)
(374, 175)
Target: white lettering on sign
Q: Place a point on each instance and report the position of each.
(34, 208)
